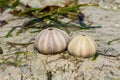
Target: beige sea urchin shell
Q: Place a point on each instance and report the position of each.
(82, 46)
(51, 40)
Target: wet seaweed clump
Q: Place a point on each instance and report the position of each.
(1, 50)
(49, 15)
(20, 58)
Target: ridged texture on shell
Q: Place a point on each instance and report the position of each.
(82, 46)
(51, 40)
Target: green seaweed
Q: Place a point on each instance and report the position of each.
(29, 24)
(16, 63)
(4, 3)
(76, 2)
(22, 29)
(19, 44)
(29, 10)
(9, 34)
(63, 11)
(14, 3)
(9, 3)
(35, 31)
(41, 12)
(88, 4)
(51, 13)
(110, 42)
(15, 59)
(95, 56)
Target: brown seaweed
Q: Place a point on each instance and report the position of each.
(1, 50)
(49, 75)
